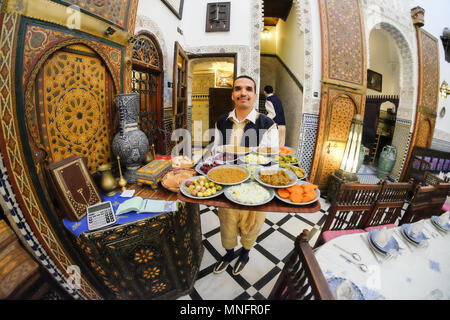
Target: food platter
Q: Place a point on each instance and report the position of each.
(187, 194)
(282, 150)
(291, 175)
(266, 151)
(223, 158)
(200, 164)
(277, 160)
(299, 182)
(263, 160)
(250, 186)
(232, 167)
(231, 149)
(291, 168)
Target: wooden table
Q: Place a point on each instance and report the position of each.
(275, 205)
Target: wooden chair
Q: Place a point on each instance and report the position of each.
(350, 210)
(438, 198)
(389, 203)
(419, 207)
(301, 277)
(431, 179)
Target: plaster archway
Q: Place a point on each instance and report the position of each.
(407, 92)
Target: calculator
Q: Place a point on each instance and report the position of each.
(100, 215)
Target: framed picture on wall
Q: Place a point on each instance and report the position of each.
(176, 6)
(374, 80)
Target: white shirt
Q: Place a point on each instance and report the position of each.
(269, 107)
(269, 139)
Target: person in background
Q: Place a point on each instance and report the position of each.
(235, 128)
(275, 111)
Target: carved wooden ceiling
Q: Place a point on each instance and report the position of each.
(276, 9)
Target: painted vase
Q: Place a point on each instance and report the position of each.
(386, 162)
(130, 143)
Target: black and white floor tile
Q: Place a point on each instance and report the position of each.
(267, 257)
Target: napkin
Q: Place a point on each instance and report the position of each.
(444, 218)
(382, 237)
(415, 229)
(345, 291)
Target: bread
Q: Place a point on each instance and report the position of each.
(174, 178)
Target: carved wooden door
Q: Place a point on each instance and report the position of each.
(74, 96)
(337, 128)
(180, 87)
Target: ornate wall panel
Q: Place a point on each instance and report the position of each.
(34, 69)
(401, 141)
(343, 41)
(73, 89)
(114, 11)
(344, 80)
(428, 92)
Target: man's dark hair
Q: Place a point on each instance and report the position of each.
(268, 89)
(247, 77)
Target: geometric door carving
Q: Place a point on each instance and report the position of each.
(337, 128)
(74, 99)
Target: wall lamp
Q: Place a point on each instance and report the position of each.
(444, 89)
(265, 33)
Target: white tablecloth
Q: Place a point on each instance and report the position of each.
(417, 273)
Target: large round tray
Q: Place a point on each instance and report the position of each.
(229, 166)
(229, 197)
(299, 182)
(290, 174)
(187, 194)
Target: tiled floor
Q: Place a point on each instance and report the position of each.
(267, 258)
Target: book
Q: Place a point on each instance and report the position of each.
(141, 205)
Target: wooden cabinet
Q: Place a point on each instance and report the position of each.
(153, 258)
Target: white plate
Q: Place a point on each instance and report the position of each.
(290, 163)
(221, 149)
(270, 159)
(230, 197)
(299, 182)
(290, 174)
(275, 151)
(230, 166)
(187, 194)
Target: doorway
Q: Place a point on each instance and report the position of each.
(212, 81)
(382, 100)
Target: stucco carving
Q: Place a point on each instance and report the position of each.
(394, 17)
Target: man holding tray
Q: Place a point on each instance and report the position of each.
(243, 126)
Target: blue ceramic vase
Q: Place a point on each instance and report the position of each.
(130, 143)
